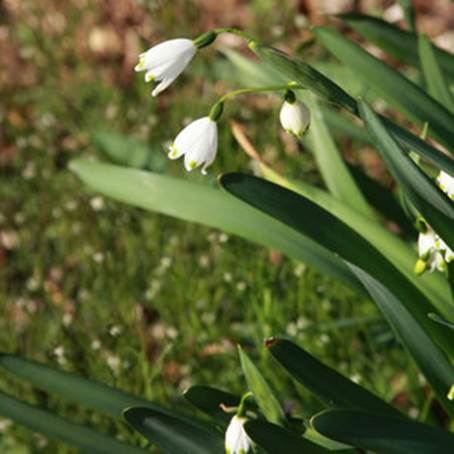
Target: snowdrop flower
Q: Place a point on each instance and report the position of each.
(446, 183)
(198, 142)
(295, 117)
(430, 255)
(164, 62)
(237, 440)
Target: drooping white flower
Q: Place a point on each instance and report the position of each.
(446, 183)
(295, 117)
(429, 251)
(164, 62)
(237, 440)
(198, 142)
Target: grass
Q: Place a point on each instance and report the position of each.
(136, 300)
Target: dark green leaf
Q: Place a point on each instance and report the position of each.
(173, 434)
(391, 85)
(95, 395)
(436, 84)
(262, 392)
(328, 385)
(274, 439)
(383, 434)
(432, 203)
(52, 426)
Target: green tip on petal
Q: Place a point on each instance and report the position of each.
(173, 152)
(149, 78)
(450, 395)
(420, 267)
(192, 165)
(252, 44)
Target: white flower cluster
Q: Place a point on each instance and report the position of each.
(198, 142)
(433, 252)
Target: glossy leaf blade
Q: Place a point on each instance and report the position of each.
(436, 84)
(431, 202)
(391, 85)
(274, 439)
(204, 205)
(92, 394)
(399, 43)
(430, 359)
(329, 386)
(52, 426)
(174, 435)
(383, 434)
(262, 392)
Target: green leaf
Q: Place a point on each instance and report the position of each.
(105, 399)
(409, 13)
(204, 205)
(303, 74)
(391, 85)
(432, 203)
(274, 439)
(262, 392)
(332, 388)
(173, 434)
(305, 216)
(334, 171)
(52, 426)
(436, 84)
(128, 152)
(400, 44)
(209, 400)
(430, 359)
(383, 434)
(442, 321)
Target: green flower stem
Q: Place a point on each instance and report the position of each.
(234, 31)
(241, 411)
(242, 91)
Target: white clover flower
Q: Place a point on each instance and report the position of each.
(198, 142)
(446, 183)
(164, 62)
(295, 117)
(237, 440)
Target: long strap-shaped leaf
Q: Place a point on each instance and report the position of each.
(204, 205)
(436, 84)
(432, 362)
(432, 203)
(52, 426)
(98, 396)
(383, 434)
(390, 84)
(329, 386)
(173, 434)
(305, 216)
(399, 43)
(306, 75)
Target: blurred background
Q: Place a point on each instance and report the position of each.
(141, 301)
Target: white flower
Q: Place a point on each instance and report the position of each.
(164, 62)
(198, 142)
(429, 252)
(237, 440)
(295, 117)
(446, 183)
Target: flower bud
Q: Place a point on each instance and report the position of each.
(295, 117)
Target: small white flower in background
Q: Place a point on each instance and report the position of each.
(237, 440)
(198, 142)
(164, 62)
(295, 117)
(446, 184)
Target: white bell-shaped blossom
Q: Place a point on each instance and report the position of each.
(429, 251)
(198, 142)
(164, 62)
(446, 183)
(295, 117)
(237, 440)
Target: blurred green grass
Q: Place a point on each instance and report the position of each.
(140, 301)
